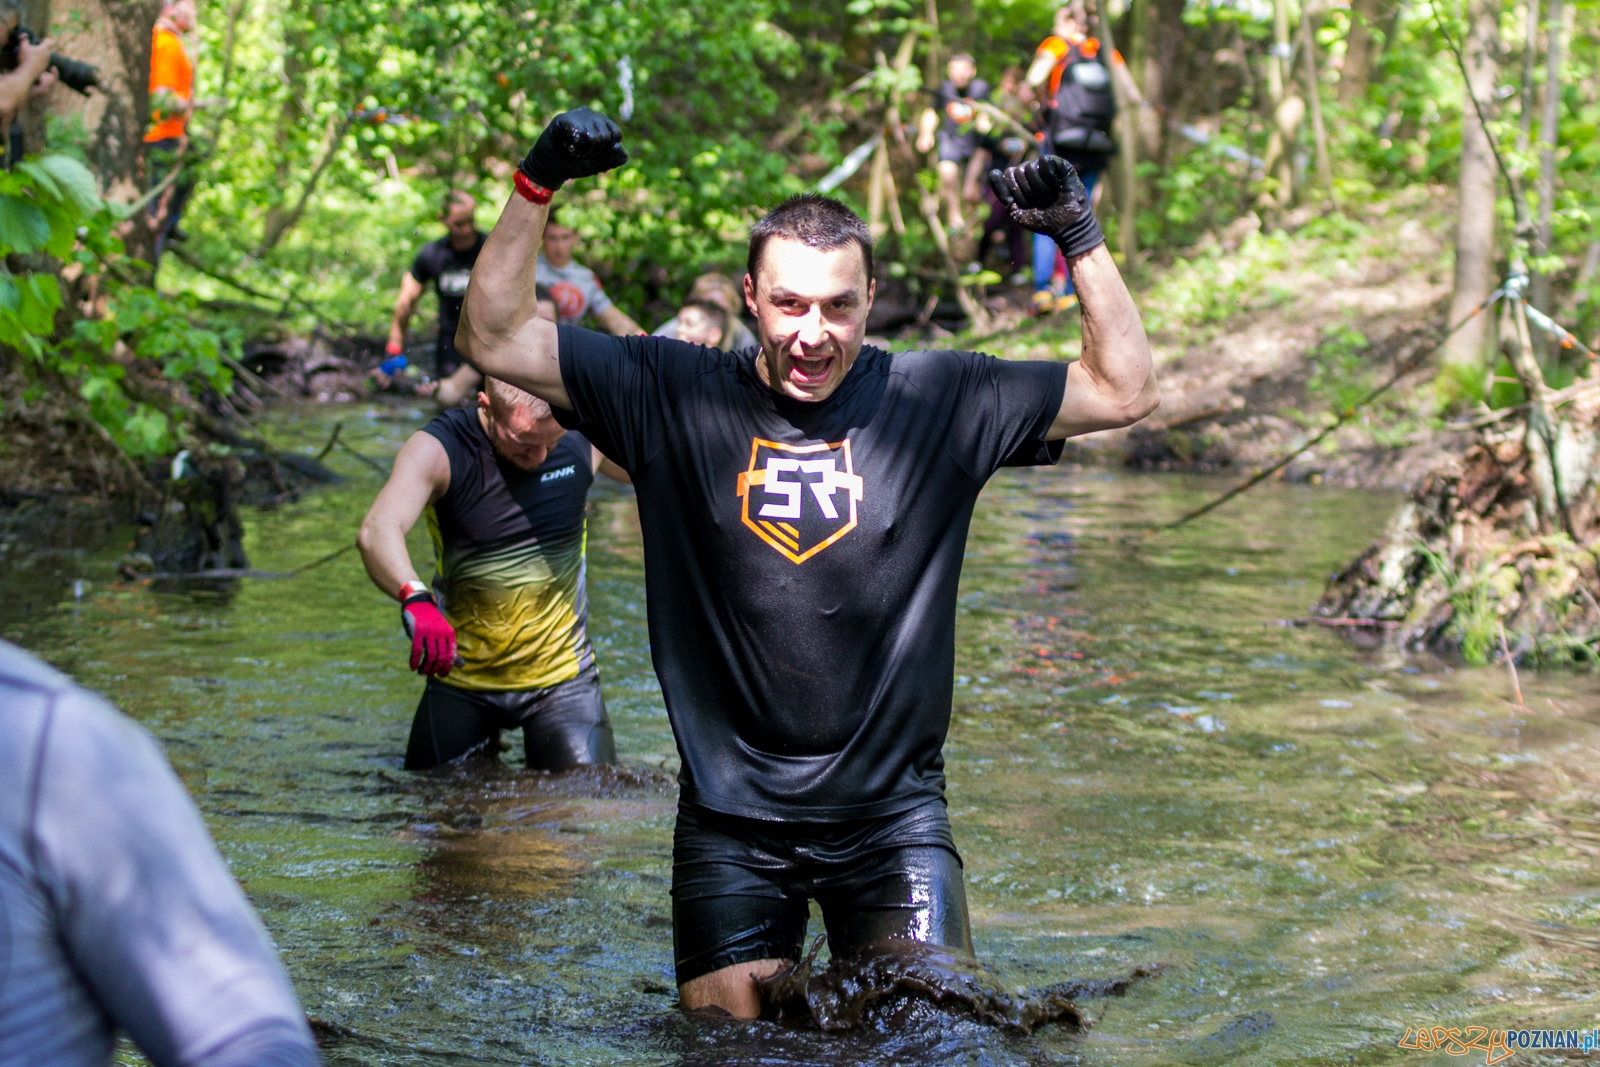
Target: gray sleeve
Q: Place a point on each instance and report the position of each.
(593, 295)
(666, 329)
(151, 917)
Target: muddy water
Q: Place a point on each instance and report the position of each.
(1324, 846)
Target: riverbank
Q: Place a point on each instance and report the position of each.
(1260, 336)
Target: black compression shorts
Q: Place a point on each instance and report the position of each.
(740, 886)
(562, 725)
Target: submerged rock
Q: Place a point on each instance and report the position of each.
(894, 984)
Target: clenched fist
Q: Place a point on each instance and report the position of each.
(577, 144)
(1046, 196)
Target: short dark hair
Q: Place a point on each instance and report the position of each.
(814, 220)
(456, 197)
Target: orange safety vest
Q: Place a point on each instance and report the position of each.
(171, 70)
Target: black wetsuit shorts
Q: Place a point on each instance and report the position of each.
(562, 725)
(740, 887)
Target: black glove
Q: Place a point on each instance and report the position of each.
(577, 144)
(1046, 196)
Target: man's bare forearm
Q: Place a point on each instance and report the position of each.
(383, 551)
(501, 333)
(1116, 353)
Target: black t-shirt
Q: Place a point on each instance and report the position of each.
(956, 113)
(801, 559)
(450, 271)
(509, 550)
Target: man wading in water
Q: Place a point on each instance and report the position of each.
(805, 512)
(504, 488)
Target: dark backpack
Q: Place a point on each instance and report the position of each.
(1085, 108)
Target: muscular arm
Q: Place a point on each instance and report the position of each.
(421, 476)
(150, 916)
(608, 468)
(617, 323)
(1114, 383)
(405, 304)
(501, 333)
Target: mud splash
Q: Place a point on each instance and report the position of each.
(888, 985)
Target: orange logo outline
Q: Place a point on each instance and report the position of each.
(780, 535)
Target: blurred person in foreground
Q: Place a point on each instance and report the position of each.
(719, 289)
(166, 141)
(504, 639)
(957, 128)
(116, 912)
(804, 508)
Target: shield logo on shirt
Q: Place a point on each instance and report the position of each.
(799, 498)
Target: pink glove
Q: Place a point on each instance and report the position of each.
(433, 639)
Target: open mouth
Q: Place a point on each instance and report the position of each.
(806, 372)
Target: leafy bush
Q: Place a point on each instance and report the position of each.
(49, 213)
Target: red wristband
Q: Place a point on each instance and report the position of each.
(531, 190)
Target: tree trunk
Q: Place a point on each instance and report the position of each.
(1356, 73)
(1319, 134)
(1549, 139)
(118, 148)
(1474, 278)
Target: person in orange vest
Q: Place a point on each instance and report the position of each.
(1079, 109)
(171, 102)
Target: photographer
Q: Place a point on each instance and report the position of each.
(171, 102)
(32, 75)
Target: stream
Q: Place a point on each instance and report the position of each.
(1323, 847)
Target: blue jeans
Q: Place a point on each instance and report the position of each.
(1044, 249)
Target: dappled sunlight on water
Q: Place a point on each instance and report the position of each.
(1148, 764)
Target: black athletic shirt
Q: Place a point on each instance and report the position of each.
(509, 545)
(450, 271)
(801, 559)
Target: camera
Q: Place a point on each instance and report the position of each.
(73, 73)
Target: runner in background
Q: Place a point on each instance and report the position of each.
(701, 322)
(958, 126)
(1079, 109)
(1016, 98)
(171, 102)
(721, 290)
(576, 289)
(447, 263)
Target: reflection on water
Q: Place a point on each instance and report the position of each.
(1322, 846)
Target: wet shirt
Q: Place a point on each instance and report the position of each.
(509, 548)
(115, 909)
(576, 290)
(450, 271)
(801, 560)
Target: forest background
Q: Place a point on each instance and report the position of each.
(329, 130)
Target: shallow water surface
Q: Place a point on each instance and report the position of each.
(1322, 846)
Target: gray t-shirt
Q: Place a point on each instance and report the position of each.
(116, 910)
(576, 289)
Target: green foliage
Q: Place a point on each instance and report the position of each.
(49, 212)
(1340, 374)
